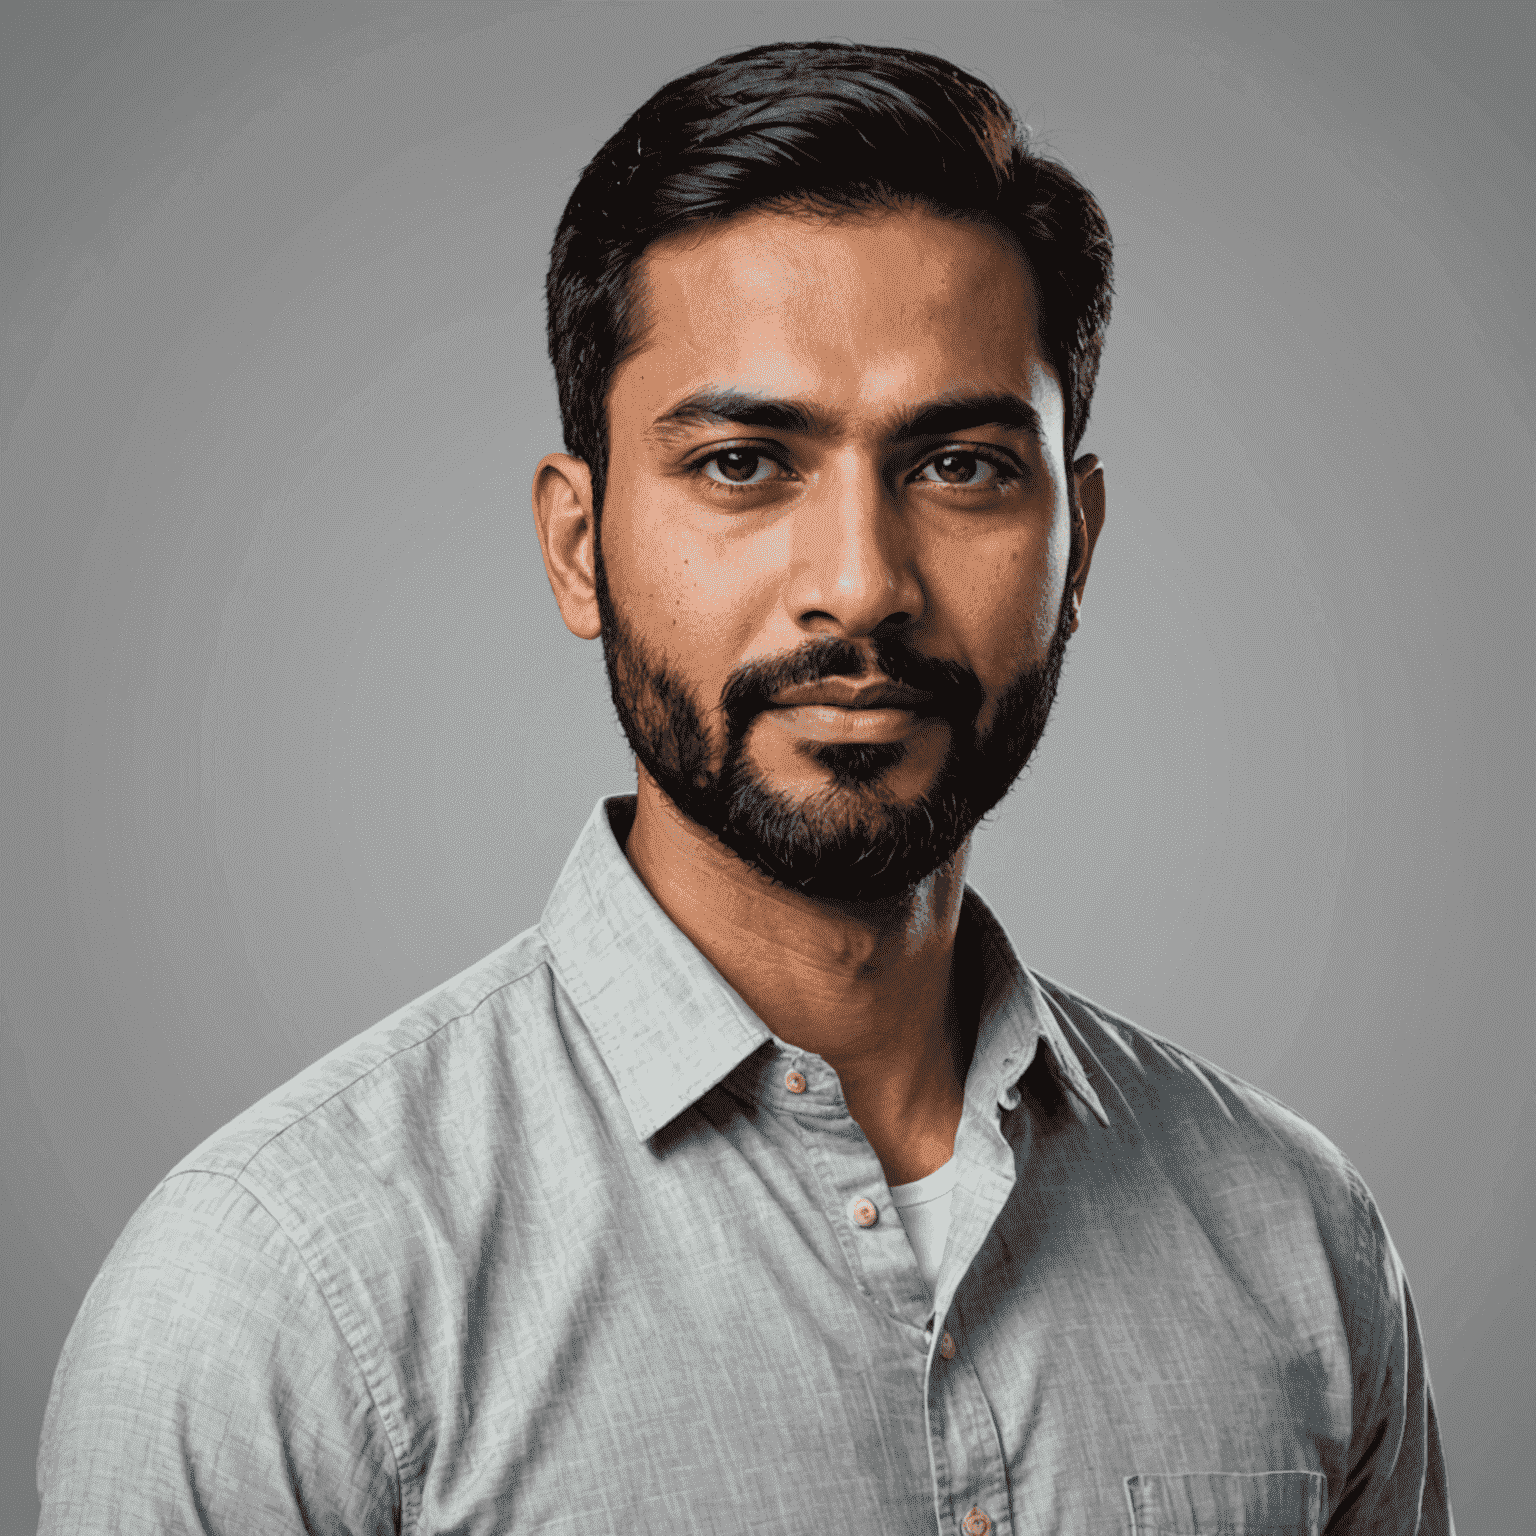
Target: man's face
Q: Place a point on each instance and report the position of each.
(835, 538)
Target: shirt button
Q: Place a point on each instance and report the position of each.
(795, 1081)
(864, 1212)
(976, 1523)
(947, 1350)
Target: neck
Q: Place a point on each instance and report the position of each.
(867, 986)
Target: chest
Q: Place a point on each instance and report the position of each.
(740, 1349)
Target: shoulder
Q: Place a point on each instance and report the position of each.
(271, 1279)
(206, 1377)
(389, 1081)
(369, 1108)
(200, 1257)
(385, 1161)
(1280, 1202)
(1292, 1221)
(371, 1165)
(1207, 1125)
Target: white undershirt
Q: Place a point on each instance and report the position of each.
(924, 1210)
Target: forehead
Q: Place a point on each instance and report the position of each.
(862, 313)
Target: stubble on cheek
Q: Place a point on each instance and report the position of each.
(660, 708)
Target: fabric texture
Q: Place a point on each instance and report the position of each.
(556, 1249)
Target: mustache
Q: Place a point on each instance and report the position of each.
(955, 690)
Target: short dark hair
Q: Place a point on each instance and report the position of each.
(830, 126)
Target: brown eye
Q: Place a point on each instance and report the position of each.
(738, 466)
(959, 469)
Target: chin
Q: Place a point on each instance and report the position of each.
(858, 765)
(853, 839)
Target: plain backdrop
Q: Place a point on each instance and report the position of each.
(292, 730)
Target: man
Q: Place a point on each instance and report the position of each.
(761, 1187)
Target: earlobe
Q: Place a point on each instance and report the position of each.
(562, 514)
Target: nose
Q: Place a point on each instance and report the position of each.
(852, 568)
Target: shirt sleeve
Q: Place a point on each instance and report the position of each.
(1396, 1483)
(206, 1387)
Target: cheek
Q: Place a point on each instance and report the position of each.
(688, 596)
(654, 581)
(1006, 605)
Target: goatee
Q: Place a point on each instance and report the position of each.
(846, 841)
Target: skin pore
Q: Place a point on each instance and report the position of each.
(833, 428)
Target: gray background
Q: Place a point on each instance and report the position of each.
(292, 729)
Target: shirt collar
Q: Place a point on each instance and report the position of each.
(669, 1027)
(1015, 1017)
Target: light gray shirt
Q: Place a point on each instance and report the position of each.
(574, 1244)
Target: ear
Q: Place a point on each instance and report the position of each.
(562, 512)
(1088, 474)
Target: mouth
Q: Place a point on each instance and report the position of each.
(837, 710)
(845, 693)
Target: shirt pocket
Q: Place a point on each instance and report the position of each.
(1227, 1503)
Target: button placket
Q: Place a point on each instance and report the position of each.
(965, 1446)
(973, 1454)
(853, 1185)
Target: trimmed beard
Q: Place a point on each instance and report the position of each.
(844, 842)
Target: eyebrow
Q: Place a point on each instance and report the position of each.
(960, 413)
(944, 417)
(734, 407)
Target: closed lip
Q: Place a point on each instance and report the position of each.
(842, 693)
